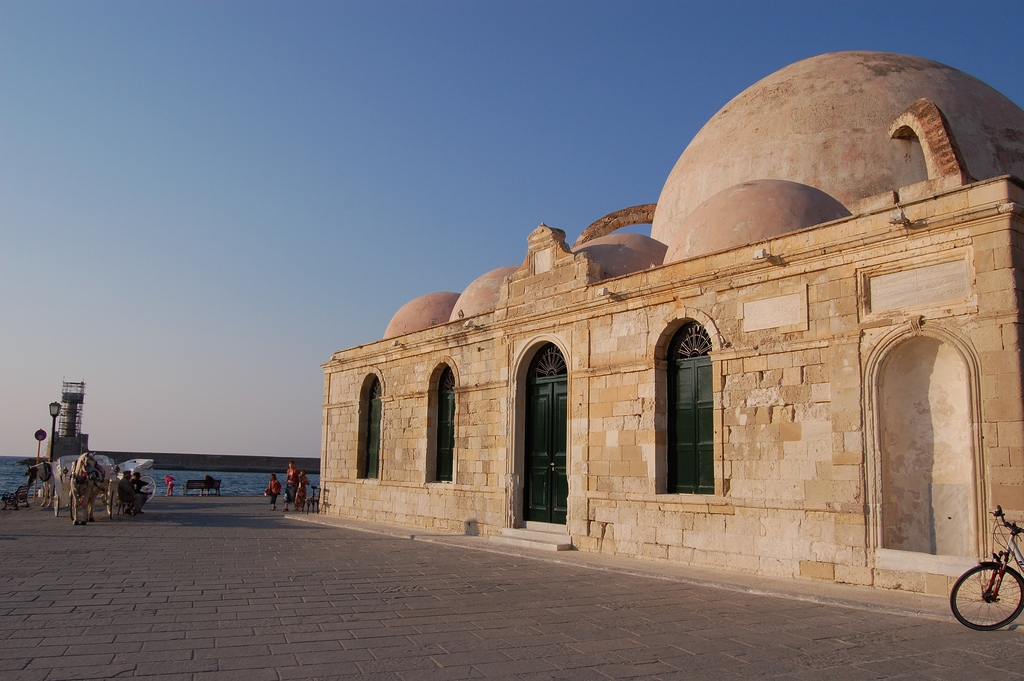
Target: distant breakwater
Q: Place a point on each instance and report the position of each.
(220, 462)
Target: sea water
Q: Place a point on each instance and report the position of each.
(12, 475)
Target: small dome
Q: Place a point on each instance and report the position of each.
(421, 313)
(624, 253)
(824, 121)
(481, 295)
(751, 212)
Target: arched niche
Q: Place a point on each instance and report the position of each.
(924, 477)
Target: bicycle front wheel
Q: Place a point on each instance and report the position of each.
(977, 607)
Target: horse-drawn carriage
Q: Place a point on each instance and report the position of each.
(80, 481)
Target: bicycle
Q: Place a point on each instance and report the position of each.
(983, 598)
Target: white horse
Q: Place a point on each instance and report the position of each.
(44, 474)
(91, 479)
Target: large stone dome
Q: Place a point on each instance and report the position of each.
(824, 122)
(421, 313)
(482, 294)
(751, 212)
(623, 253)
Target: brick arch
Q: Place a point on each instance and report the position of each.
(926, 122)
(634, 215)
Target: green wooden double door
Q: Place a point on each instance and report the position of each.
(547, 482)
(691, 436)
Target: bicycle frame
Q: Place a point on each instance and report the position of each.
(990, 604)
(1017, 554)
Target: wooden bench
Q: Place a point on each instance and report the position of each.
(16, 498)
(203, 486)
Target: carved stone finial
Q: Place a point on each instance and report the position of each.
(928, 124)
(545, 246)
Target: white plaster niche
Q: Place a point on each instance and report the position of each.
(924, 413)
(919, 287)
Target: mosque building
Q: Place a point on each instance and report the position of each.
(811, 368)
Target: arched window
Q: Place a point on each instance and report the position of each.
(373, 416)
(445, 425)
(691, 441)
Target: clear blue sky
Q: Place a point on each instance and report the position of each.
(200, 201)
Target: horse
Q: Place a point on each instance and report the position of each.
(90, 479)
(44, 473)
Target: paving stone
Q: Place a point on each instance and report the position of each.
(282, 599)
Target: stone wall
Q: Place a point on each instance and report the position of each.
(800, 339)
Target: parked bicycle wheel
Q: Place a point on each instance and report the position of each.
(974, 604)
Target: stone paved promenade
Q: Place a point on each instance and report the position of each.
(220, 588)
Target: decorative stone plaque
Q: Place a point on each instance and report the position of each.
(919, 287)
(542, 261)
(772, 313)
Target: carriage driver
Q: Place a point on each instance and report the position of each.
(126, 495)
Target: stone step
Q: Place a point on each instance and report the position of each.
(551, 528)
(532, 538)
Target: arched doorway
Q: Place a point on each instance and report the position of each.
(691, 430)
(546, 490)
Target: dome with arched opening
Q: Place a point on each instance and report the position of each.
(824, 122)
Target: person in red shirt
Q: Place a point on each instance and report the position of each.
(272, 490)
(291, 484)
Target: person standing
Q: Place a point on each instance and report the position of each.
(291, 484)
(300, 493)
(169, 481)
(272, 490)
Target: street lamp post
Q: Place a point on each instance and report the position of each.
(54, 413)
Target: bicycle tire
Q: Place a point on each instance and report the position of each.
(968, 603)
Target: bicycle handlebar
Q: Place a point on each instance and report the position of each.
(1013, 527)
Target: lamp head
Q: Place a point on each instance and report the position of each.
(54, 409)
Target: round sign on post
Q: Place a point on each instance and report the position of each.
(40, 434)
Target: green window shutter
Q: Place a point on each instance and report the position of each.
(445, 426)
(691, 438)
(373, 416)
